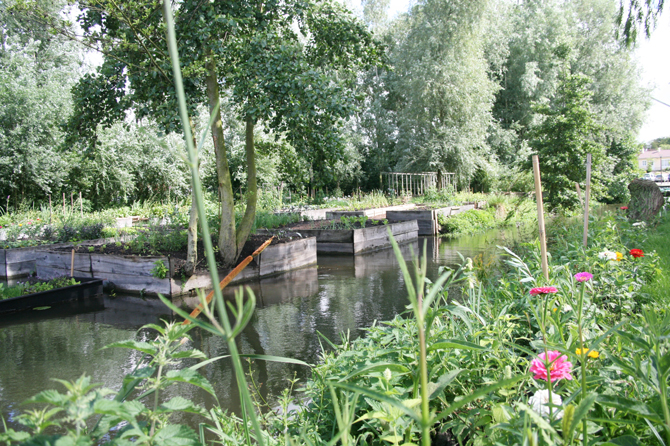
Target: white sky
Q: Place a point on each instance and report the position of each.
(653, 56)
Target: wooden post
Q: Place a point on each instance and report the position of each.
(72, 202)
(540, 217)
(579, 194)
(72, 264)
(81, 205)
(63, 203)
(51, 211)
(587, 198)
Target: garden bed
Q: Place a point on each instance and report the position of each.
(331, 238)
(162, 273)
(85, 289)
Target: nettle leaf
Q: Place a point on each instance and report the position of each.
(191, 377)
(194, 354)
(376, 368)
(176, 435)
(631, 406)
(181, 404)
(143, 347)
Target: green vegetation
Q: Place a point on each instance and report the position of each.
(21, 289)
(466, 362)
(501, 211)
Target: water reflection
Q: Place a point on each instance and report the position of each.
(344, 294)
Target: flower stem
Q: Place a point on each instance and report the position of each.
(583, 357)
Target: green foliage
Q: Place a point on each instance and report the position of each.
(563, 140)
(160, 270)
(30, 287)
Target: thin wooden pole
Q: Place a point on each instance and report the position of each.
(51, 211)
(540, 217)
(587, 198)
(63, 203)
(81, 205)
(72, 264)
(72, 202)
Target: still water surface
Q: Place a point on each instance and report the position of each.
(342, 295)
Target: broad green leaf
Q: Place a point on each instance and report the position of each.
(444, 344)
(624, 440)
(631, 406)
(376, 368)
(143, 347)
(581, 411)
(277, 359)
(437, 388)
(191, 377)
(479, 393)
(380, 397)
(176, 435)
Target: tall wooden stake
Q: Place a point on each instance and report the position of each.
(51, 211)
(72, 264)
(63, 203)
(81, 205)
(587, 198)
(540, 217)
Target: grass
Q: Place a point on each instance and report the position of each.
(657, 240)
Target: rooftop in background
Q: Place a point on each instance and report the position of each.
(651, 154)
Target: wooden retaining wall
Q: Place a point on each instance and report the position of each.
(20, 262)
(427, 218)
(370, 213)
(133, 274)
(353, 241)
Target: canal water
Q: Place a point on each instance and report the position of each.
(340, 297)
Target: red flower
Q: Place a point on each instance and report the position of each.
(637, 253)
(624, 208)
(543, 290)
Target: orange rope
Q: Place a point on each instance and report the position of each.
(231, 275)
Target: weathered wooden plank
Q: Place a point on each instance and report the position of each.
(131, 265)
(46, 272)
(394, 216)
(329, 235)
(62, 260)
(18, 269)
(347, 248)
(3, 256)
(136, 284)
(296, 254)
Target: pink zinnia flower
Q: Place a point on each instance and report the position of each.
(624, 208)
(559, 366)
(543, 290)
(583, 277)
(637, 253)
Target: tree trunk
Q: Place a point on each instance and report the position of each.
(192, 243)
(227, 245)
(244, 228)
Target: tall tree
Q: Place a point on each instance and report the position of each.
(444, 94)
(287, 64)
(566, 135)
(37, 70)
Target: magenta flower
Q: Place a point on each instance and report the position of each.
(583, 277)
(543, 290)
(559, 366)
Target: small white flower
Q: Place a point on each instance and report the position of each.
(387, 374)
(607, 255)
(540, 403)
(567, 308)
(641, 224)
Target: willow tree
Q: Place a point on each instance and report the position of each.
(288, 65)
